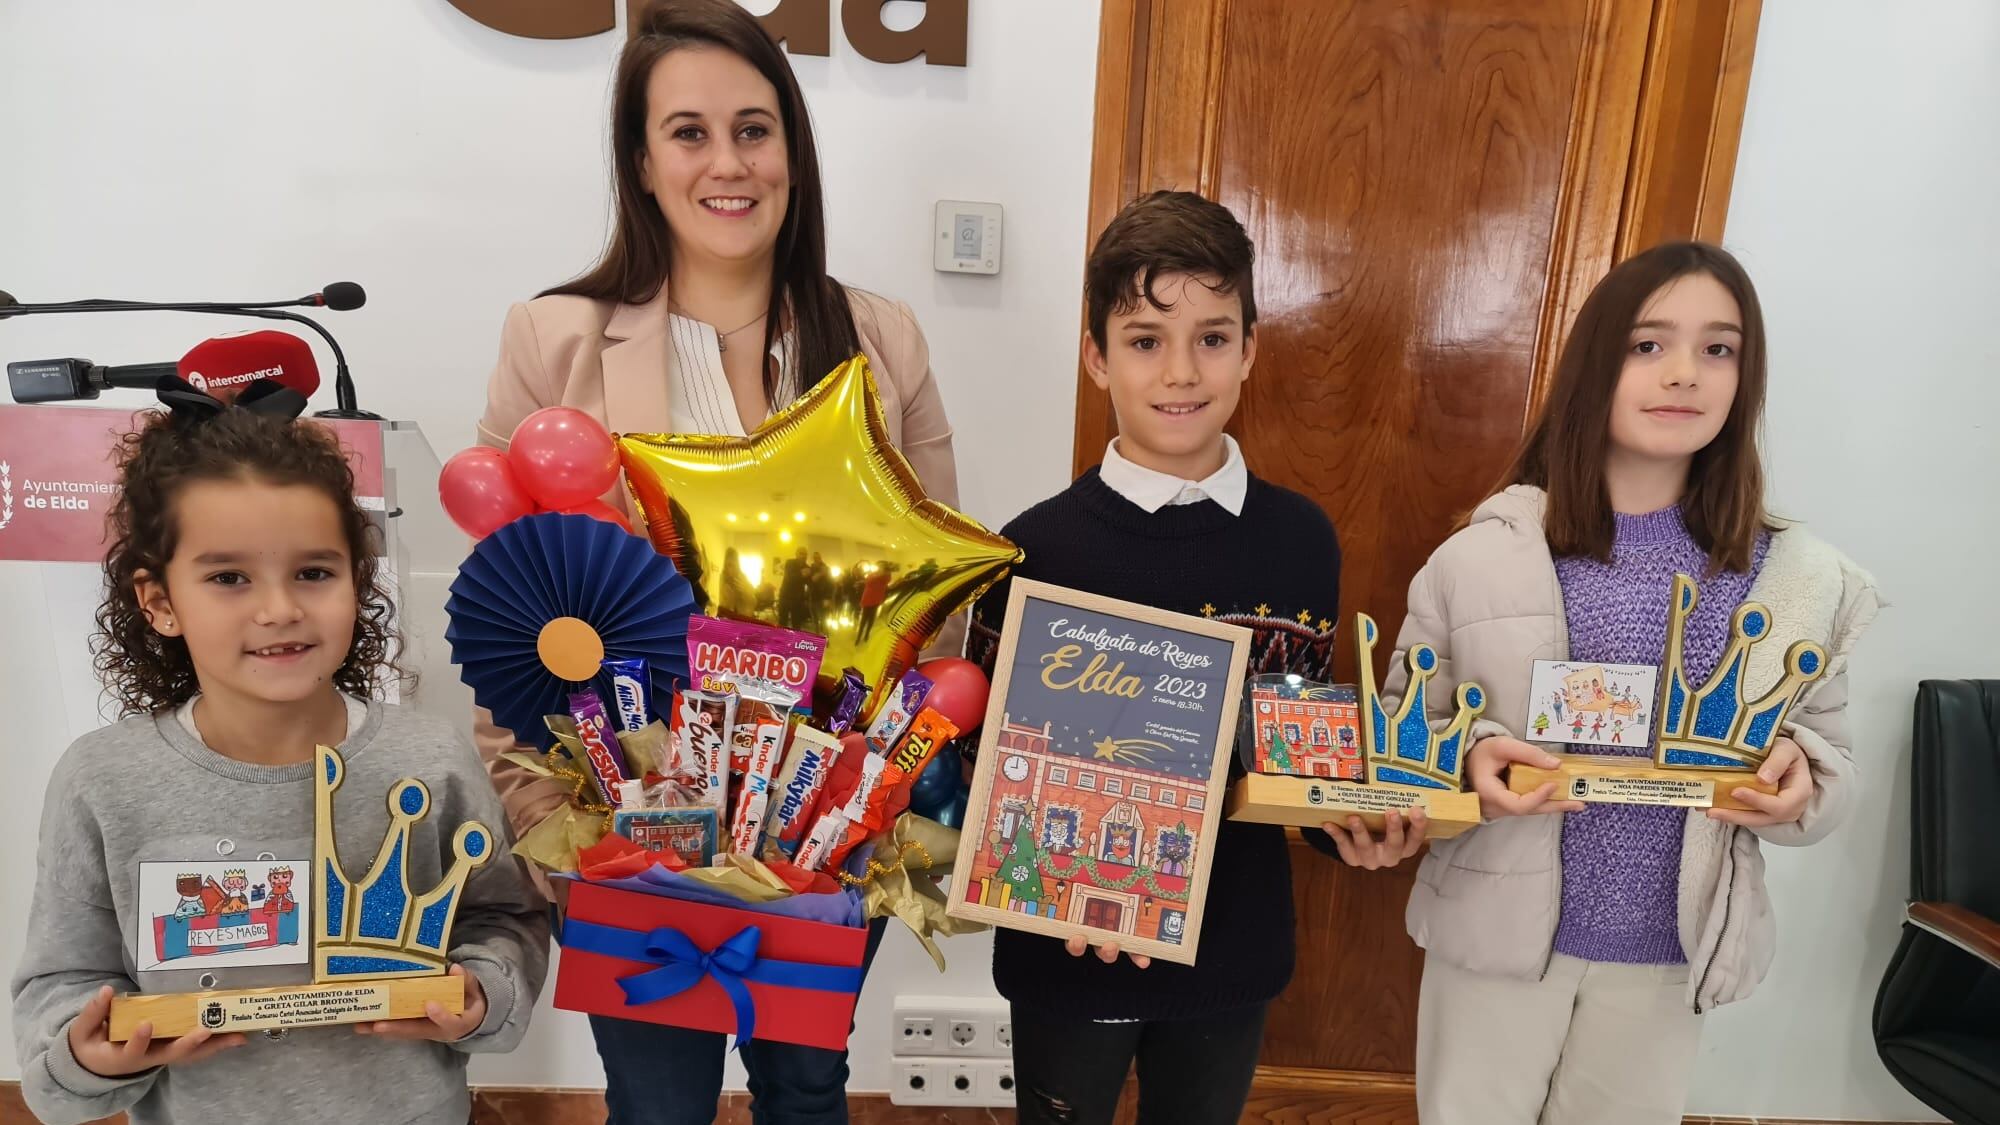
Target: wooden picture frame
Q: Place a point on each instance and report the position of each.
(1078, 799)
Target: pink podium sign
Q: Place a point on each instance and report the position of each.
(57, 480)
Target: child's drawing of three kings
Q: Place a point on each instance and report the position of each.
(223, 914)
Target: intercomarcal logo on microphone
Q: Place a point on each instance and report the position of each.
(202, 382)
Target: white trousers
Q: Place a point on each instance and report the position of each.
(1589, 1044)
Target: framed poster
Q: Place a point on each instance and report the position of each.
(1101, 770)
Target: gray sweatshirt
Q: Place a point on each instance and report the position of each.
(146, 789)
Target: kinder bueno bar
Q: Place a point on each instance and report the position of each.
(701, 726)
(754, 801)
(630, 685)
(755, 661)
(798, 785)
(593, 730)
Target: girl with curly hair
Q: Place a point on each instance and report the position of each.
(244, 623)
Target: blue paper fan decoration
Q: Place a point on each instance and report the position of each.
(541, 569)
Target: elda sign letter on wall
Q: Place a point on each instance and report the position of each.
(804, 26)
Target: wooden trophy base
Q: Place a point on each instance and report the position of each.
(174, 1014)
(1308, 802)
(1612, 780)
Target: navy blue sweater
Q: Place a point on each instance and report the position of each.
(1275, 565)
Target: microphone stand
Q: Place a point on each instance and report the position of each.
(345, 406)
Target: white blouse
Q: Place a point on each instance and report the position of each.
(697, 389)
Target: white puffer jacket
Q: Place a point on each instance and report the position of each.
(1488, 601)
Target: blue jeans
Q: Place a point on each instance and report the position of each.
(658, 1075)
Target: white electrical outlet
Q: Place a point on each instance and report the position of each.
(952, 1050)
(916, 1083)
(962, 1083)
(997, 1082)
(946, 1082)
(915, 1035)
(963, 1035)
(951, 1026)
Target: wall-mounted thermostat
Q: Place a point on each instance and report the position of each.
(968, 237)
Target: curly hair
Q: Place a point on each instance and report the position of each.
(147, 672)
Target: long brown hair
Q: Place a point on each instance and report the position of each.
(147, 672)
(636, 263)
(1565, 450)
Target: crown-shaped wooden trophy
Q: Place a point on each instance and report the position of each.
(1407, 764)
(378, 948)
(1707, 741)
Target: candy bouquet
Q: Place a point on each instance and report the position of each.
(739, 807)
(744, 796)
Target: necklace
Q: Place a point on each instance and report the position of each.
(722, 338)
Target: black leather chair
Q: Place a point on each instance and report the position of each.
(1937, 1015)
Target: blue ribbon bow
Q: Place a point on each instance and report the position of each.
(683, 964)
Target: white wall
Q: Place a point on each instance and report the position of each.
(1863, 209)
(235, 148)
(452, 170)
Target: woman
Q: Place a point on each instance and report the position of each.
(710, 308)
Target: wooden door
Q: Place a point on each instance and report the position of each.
(1433, 187)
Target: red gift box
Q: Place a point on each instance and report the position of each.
(619, 945)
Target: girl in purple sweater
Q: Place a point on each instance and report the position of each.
(1572, 956)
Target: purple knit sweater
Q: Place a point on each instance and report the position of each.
(1621, 863)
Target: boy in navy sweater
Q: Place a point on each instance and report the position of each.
(1174, 519)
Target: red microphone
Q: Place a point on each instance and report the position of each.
(224, 366)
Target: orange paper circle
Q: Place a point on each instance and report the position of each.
(570, 648)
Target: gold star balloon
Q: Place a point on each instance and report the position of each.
(815, 522)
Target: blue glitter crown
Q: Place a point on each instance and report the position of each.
(1401, 748)
(378, 927)
(1714, 726)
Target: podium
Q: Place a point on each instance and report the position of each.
(56, 485)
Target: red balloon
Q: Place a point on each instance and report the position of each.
(480, 492)
(599, 510)
(958, 692)
(563, 457)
